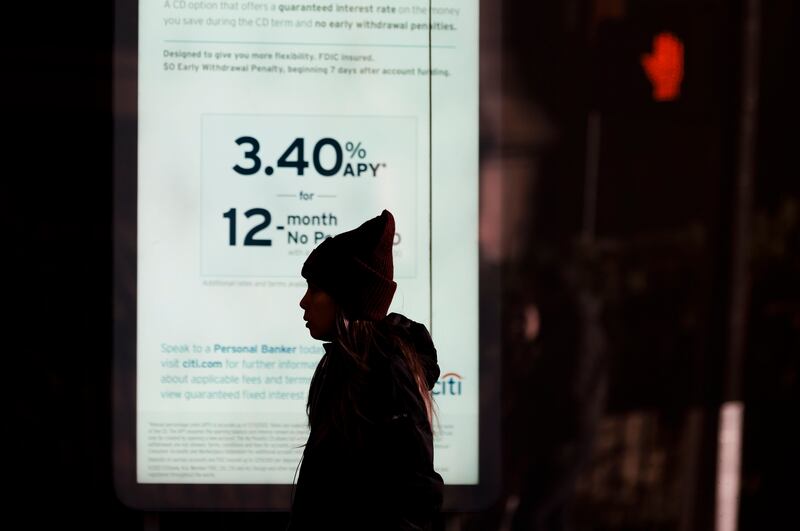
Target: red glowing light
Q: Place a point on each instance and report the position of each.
(664, 66)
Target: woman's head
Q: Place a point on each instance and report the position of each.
(319, 313)
(354, 270)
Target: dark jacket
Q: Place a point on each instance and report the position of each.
(384, 479)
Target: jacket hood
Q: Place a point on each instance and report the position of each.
(417, 335)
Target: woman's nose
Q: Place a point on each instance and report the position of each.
(303, 301)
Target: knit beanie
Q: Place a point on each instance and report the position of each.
(355, 268)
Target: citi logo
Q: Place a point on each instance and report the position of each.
(448, 384)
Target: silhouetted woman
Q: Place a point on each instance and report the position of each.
(368, 462)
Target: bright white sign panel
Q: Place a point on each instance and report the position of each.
(264, 127)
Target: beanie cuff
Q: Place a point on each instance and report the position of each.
(369, 295)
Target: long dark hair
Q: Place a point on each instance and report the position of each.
(357, 349)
